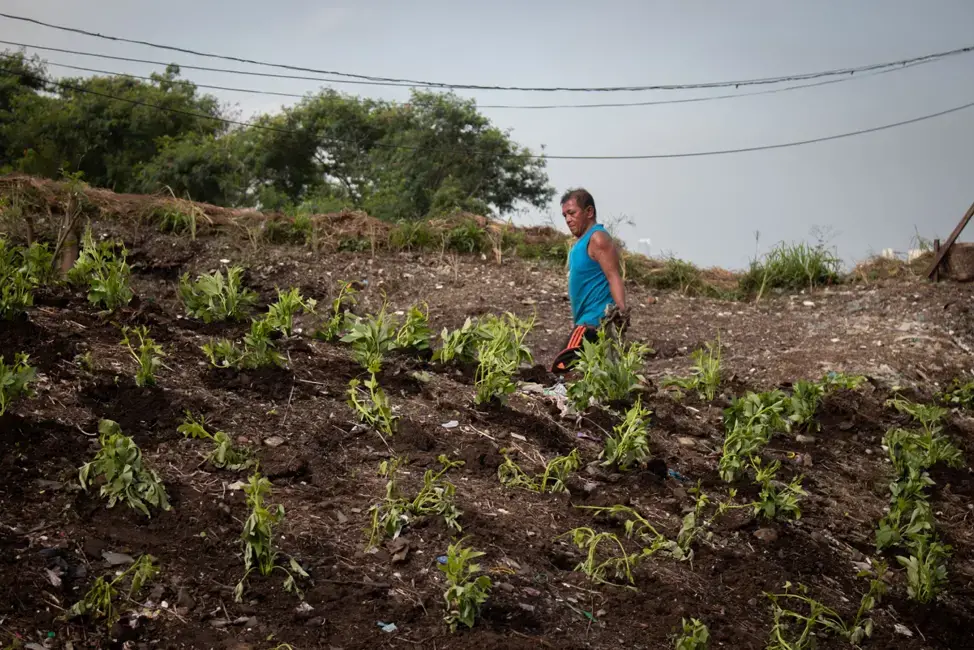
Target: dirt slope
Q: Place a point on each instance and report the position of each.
(324, 474)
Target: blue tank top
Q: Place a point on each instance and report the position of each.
(588, 288)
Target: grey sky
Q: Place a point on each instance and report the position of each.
(873, 191)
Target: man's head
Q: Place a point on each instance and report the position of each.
(578, 208)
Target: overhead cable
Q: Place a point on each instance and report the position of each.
(439, 84)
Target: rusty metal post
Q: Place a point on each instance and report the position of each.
(936, 249)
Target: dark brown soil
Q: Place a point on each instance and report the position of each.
(52, 534)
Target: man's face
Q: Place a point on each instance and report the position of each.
(578, 220)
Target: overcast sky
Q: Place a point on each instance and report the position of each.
(870, 192)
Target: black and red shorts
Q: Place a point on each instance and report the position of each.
(573, 345)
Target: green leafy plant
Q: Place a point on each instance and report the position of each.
(435, 498)
(104, 271)
(38, 264)
(371, 338)
(147, 353)
(260, 553)
(556, 472)
(705, 376)
(639, 529)
(15, 380)
(466, 591)
(511, 475)
(258, 350)
(911, 449)
(608, 370)
(16, 285)
(372, 406)
(415, 334)
(804, 402)
(959, 394)
(214, 298)
(798, 630)
(616, 569)
(499, 356)
(99, 602)
(332, 329)
(926, 568)
(389, 516)
(280, 314)
(773, 501)
(552, 479)
(123, 476)
(910, 515)
(749, 423)
(695, 635)
(628, 445)
(460, 344)
(225, 454)
(438, 497)
(928, 415)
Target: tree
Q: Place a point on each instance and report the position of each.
(84, 129)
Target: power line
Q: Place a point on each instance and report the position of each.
(437, 84)
(691, 154)
(688, 100)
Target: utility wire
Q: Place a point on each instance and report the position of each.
(688, 100)
(691, 154)
(438, 84)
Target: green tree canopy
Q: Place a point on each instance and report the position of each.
(431, 155)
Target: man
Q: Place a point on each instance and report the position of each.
(595, 287)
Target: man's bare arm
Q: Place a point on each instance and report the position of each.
(602, 249)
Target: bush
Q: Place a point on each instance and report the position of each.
(412, 235)
(467, 237)
(791, 267)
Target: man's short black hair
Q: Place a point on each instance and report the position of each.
(582, 198)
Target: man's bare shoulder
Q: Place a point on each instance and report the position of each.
(601, 241)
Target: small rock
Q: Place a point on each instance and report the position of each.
(766, 534)
(116, 559)
(686, 441)
(252, 622)
(845, 425)
(590, 487)
(505, 586)
(818, 536)
(807, 460)
(805, 440)
(219, 622)
(679, 493)
(452, 424)
(902, 629)
(526, 607)
(44, 484)
(184, 599)
(808, 303)
(317, 621)
(342, 519)
(93, 547)
(531, 591)
(274, 441)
